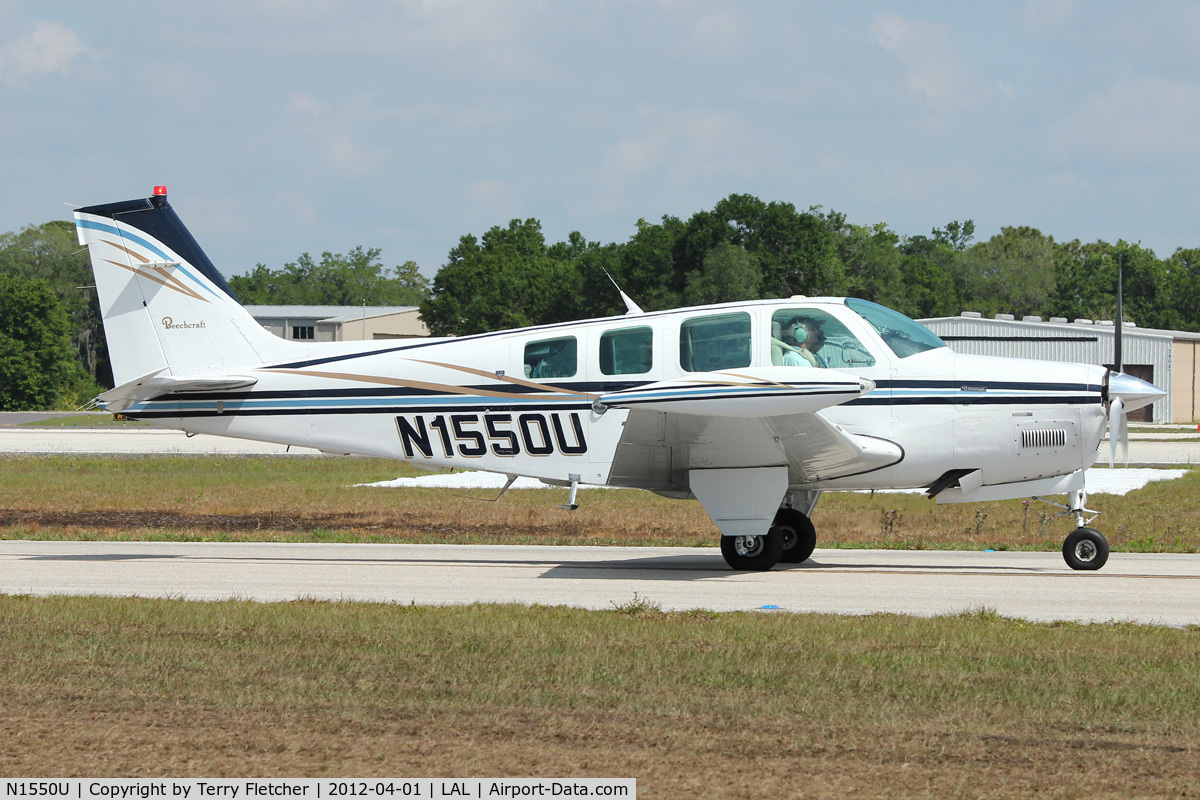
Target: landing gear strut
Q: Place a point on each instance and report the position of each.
(1085, 548)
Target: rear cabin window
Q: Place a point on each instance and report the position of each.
(629, 351)
(717, 342)
(551, 358)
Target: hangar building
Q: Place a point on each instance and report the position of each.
(340, 323)
(1168, 359)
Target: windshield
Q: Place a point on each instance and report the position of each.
(904, 336)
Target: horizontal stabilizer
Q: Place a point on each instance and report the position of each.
(761, 392)
(155, 384)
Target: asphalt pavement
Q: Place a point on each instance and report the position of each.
(1142, 588)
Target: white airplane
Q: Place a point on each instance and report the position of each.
(753, 408)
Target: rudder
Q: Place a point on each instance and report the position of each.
(163, 303)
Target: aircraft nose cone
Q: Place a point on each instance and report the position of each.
(1134, 392)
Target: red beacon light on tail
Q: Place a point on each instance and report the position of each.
(160, 191)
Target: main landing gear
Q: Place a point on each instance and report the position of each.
(790, 540)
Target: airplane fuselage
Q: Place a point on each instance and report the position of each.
(532, 401)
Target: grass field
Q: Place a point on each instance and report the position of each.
(691, 704)
(315, 499)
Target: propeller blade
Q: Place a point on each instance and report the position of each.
(1116, 421)
(1124, 435)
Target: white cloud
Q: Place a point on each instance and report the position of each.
(1048, 15)
(929, 56)
(677, 147)
(348, 156)
(306, 104)
(1138, 120)
(718, 31)
(45, 48)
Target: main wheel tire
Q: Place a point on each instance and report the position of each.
(799, 535)
(1085, 548)
(757, 553)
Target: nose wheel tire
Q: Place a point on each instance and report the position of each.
(799, 535)
(756, 553)
(1085, 548)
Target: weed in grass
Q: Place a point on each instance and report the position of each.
(638, 607)
(888, 520)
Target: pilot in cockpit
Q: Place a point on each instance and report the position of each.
(803, 338)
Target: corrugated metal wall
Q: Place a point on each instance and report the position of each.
(1051, 341)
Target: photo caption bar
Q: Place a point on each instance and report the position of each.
(316, 788)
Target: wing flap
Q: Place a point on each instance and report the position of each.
(657, 449)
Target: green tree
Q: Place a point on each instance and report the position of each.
(871, 260)
(52, 253)
(797, 251)
(956, 235)
(1182, 284)
(348, 279)
(507, 279)
(648, 272)
(1013, 272)
(1087, 284)
(728, 273)
(38, 367)
(925, 269)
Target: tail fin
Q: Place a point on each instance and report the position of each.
(165, 307)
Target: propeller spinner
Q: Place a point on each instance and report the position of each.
(1125, 393)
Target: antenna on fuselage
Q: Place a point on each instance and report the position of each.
(630, 306)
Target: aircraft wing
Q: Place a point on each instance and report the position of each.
(155, 384)
(761, 392)
(751, 419)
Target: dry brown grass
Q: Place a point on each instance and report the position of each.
(314, 499)
(692, 705)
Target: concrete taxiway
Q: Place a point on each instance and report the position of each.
(1143, 588)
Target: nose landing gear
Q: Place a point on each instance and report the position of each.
(1085, 548)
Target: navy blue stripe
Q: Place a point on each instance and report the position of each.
(959, 383)
(975, 400)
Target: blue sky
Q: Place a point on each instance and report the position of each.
(282, 127)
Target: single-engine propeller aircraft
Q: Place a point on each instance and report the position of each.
(753, 408)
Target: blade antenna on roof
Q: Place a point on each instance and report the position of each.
(630, 306)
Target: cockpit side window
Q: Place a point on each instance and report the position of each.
(809, 337)
(717, 342)
(551, 358)
(904, 336)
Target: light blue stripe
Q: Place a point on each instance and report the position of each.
(100, 226)
(231, 406)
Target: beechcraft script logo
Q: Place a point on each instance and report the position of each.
(171, 325)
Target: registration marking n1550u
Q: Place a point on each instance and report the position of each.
(507, 435)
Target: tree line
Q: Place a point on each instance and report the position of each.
(53, 354)
(747, 249)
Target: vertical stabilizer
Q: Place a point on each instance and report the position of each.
(164, 305)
